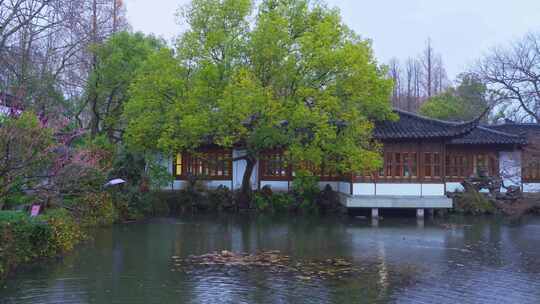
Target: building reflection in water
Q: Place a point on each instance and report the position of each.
(447, 261)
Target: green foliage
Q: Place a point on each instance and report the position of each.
(473, 202)
(131, 203)
(94, 209)
(11, 216)
(220, 198)
(76, 179)
(128, 166)
(298, 78)
(446, 106)
(281, 202)
(161, 203)
(143, 172)
(261, 202)
(305, 186)
(24, 239)
(65, 232)
(157, 172)
(15, 195)
(137, 167)
(26, 152)
(274, 202)
(117, 61)
(465, 102)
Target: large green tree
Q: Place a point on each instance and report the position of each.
(117, 61)
(464, 102)
(296, 78)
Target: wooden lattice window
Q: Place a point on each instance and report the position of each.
(388, 165)
(211, 164)
(486, 164)
(458, 166)
(410, 165)
(399, 165)
(274, 166)
(432, 165)
(531, 167)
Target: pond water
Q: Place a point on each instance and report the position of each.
(460, 260)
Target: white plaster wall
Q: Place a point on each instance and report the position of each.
(276, 185)
(177, 185)
(344, 187)
(453, 187)
(399, 189)
(363, 189)
(213, 184)
(239, 167)
(334, 185)
(167, 162)
(433, 189)
(531, 187)
(510, 168)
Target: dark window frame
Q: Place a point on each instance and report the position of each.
(208, 164)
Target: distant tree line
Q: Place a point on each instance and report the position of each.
(506, 80)
(512, 75)
(417, 79)
(46, 51)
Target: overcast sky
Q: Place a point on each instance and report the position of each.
(461, 30)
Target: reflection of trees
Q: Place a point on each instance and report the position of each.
(132, 263)
(523, 242)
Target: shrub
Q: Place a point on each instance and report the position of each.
(78, 179)
(261, 202)
(24, 239)
(328, 200)
(192, 196)
(473, 202)
(65, 232)
(281, 202)
(220, 198)
(94, 209)
(306, 189)
(132, 203)
(267, 201)
(16, 196)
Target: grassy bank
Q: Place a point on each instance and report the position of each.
(24, 239)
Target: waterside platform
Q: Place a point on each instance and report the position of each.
(374, 202)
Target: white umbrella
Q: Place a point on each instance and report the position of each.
(116, 181)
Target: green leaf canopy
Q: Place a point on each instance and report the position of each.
(287, 74)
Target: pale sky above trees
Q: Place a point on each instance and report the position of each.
(461, 30)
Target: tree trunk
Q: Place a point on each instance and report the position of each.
(244, 198)
(115, 16)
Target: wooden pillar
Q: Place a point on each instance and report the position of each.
(443, 166)
(351, 184)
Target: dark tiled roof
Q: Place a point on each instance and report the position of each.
(413, 126)
(483, 135)
(516, 128)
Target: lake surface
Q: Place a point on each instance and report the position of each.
(459, 260)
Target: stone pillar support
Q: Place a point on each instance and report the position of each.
(375, 213)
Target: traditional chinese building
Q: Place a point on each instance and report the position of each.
(424, 159)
